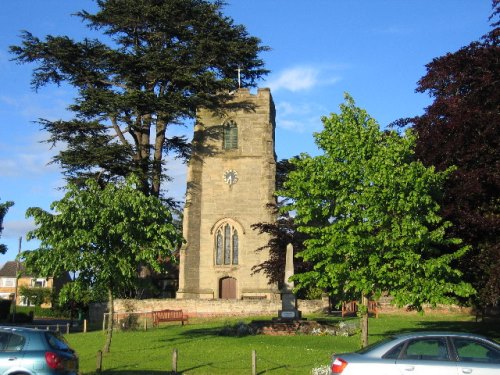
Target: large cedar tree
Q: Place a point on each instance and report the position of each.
(156, 63)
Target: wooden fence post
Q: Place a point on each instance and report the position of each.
(84, 325)
(175, 356)
(254, 362)
(99, 362)
(67, 328)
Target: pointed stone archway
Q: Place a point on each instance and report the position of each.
(227, 288)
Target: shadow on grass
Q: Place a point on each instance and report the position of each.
(193, 333)
(134, 372)
(266, 371)
(203, 332)
(151, 372)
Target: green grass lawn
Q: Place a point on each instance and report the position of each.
(201, 350)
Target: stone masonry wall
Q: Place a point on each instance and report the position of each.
(208, 308)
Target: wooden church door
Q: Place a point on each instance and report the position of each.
(227, 288)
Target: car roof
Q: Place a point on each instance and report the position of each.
(438, 333)
(19, 329)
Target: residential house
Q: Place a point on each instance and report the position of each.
(8, 282)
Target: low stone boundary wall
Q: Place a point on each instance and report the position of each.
(246, 307)
(207, 308)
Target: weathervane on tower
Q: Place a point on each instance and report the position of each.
(239, 76)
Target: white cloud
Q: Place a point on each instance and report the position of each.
(52, 104)
(301, 117)
(295, 79)
(303, 78)
(306, 124)
(13, 229)
(392, 30)
(31, 158)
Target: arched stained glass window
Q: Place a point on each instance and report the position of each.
(235, 247)
(219, 241)
(230, 135)
(226, 245)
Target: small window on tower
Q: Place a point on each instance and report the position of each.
(230, 135)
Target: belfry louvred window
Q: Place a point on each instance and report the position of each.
(230, 135)
(226, 245)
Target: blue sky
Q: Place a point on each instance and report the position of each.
(374, 49)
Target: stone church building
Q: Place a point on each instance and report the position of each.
(230, 182)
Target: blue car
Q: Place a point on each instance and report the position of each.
(27, 351)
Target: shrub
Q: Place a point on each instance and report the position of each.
(239, 329)
(129, 323)
(5, 308)
(21, 317)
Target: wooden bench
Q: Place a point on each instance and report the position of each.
(168, 316)
(351, 308)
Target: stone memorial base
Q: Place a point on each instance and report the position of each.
(287, 315)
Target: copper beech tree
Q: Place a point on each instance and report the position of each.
(461, 128)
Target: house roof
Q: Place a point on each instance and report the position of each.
(10, 269)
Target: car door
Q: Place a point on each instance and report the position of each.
(11, 356)
(476, 357)
(426, 356)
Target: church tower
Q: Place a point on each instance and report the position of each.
(231, 180)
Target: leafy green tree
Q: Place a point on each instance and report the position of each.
(77, 296)
(4, 207)
(103, 235)
(156, 64)
(370, 212)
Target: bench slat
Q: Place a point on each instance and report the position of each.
(169, 316)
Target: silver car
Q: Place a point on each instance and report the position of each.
(423, 353)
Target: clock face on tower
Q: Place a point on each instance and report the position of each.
(230, 176)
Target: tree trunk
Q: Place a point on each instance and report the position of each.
(364, 321)
(157, 167)
(109, 333)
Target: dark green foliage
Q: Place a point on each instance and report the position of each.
(158, 61)
(42, 312)
(4, 207)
